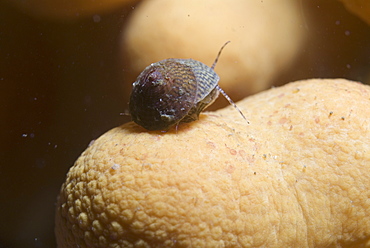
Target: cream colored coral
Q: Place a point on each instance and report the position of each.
(265, 38)
(297, 176)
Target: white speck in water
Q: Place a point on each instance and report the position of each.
(25, 135)
(348, 66)
(337, 22)
(96, 18)
(347, 32)
(55, 146)
(40, 163)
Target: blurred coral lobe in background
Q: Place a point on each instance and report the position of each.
(66, 72)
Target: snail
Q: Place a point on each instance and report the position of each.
(174, 90)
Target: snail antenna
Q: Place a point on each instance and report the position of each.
(125, 112)
(231, 101)
(218, 55)
(221, 90)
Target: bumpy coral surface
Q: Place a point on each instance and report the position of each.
(297, 176)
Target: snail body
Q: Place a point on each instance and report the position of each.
(172, 91)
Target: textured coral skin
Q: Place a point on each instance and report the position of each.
(297, 176)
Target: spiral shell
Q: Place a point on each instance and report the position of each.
(172, 91)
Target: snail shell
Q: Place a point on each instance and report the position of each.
(172, 91)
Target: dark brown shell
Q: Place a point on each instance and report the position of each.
(172, 91)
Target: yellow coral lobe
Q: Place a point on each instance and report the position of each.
(297, 176)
